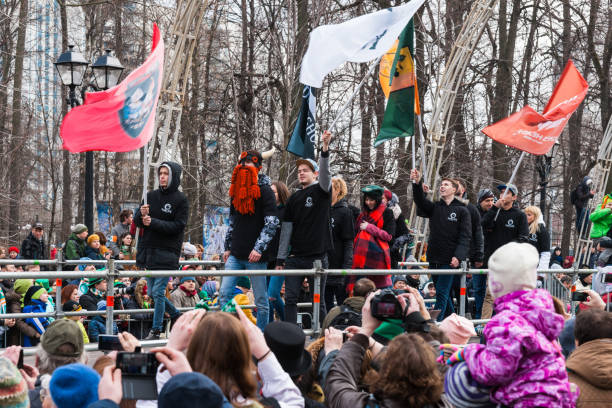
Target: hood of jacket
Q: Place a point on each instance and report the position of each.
(355, 303)
(174, 181)
(263, 180)
(341, 203)
(593, 362)
(535, 306)
(585, 181)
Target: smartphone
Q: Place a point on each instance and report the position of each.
(20, 361)
(607, 278)
(107, 342)
(138, 371)
(579, 296)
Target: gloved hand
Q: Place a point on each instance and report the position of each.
(457, 357)
(447, 353)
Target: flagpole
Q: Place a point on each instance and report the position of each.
(509, 182)
(145, 184)
(413, 153)
(422, 143)
(346, 104)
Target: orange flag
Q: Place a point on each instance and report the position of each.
(535, 133)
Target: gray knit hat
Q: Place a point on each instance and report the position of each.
(79, 228)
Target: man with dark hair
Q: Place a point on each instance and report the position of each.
(590, 365)
(163, 219)
(122, 227)
(449, 239)
(363, 287)
(33, 247)
(502, 224)
(306, 234)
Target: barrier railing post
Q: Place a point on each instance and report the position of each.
(462, 290)
(59, 313)
(110, 295)
(316, 297)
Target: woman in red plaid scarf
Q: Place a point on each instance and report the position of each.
(375, 226)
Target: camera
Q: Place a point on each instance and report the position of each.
(138, 371)
(107, 342)
(121, 290)
(579, 296)
(385, 305)
(606, 278)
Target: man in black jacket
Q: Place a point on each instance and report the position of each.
(163, 218)
(33, 247)
(502, 224)
(449, 238)
(486, 198)
(253, 224)
(306, 232)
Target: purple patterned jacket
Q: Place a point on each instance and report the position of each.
(522, 359)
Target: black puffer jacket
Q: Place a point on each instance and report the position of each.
(160, 244)
(32, 248)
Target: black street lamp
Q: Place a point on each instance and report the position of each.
(543, 166)
(71, 67)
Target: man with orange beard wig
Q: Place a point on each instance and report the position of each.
(253, 224)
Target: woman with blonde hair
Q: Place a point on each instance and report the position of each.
(538, 235)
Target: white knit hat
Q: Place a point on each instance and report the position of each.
(513, 267)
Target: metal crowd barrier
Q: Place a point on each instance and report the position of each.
(111, 273)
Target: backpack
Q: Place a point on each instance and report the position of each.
(574, 196)
(347, 317)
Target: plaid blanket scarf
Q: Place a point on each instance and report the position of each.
(370, 252)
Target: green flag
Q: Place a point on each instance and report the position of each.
(399, 114)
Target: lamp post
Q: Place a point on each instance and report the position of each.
(71, 67)
(543, 166)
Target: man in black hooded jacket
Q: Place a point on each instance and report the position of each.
(163, 218)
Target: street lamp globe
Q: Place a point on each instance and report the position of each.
(71, 66)
(106, 70)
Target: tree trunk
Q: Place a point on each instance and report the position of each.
(15, 181)
(503, 83)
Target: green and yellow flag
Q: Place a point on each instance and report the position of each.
(398, 81)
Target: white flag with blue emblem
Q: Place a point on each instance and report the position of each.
(361, 39)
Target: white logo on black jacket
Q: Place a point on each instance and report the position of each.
(167, 208)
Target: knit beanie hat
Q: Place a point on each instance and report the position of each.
(243, 282)
(463, 391)
(13, 249)
(484, 194)
(189, 249)
(29, 295)
(74, 386)
(79, 228)
(101, 305)
(388, 194)
(193, 390)
(36, 295)
(13, 388)
(187, 278)
(92, 238)
(458, 329)
(44, 283)
(513, 267)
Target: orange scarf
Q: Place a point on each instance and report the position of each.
(244, 189)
